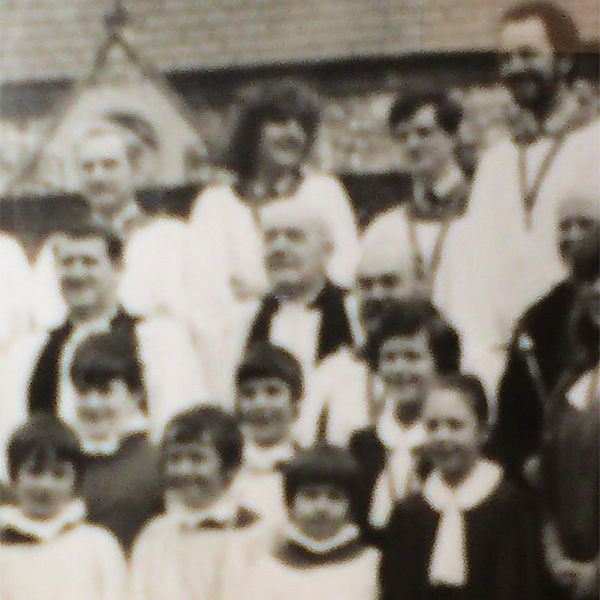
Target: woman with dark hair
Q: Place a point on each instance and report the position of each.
(269, 152)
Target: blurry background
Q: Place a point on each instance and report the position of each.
(169, 72)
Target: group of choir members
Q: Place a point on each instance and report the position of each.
(264, 401)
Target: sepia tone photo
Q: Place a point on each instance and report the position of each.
(299, 300)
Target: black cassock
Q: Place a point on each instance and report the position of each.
(522, 411)
(502, 545)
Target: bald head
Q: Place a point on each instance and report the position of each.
(297, 247)
(385, 271)
(578, 214)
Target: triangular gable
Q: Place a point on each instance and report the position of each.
(123, 89)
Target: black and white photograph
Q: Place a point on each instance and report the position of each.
(299, 300)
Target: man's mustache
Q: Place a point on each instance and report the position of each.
(75, 283)
(279, 259)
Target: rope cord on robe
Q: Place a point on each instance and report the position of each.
(529, 195)
(420, 270)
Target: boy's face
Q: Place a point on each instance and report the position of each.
(103, 414)
(267, 410)
(195, 475)
(453, 433)
(425, 146)
(320, 510)
(406, 367)
(43, 489)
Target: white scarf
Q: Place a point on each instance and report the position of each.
(448, 565)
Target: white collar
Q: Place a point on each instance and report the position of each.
(347, 534)
(45, 530)
(123, 222)
(479, 484)
(584, 390)
(137, 424)
(98, 324)
(393, 434)
(266, 459)
(450, 178)
(224, 511)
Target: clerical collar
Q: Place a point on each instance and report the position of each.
(14, 519)
(137, 424)
(348, 534)
(125, 222)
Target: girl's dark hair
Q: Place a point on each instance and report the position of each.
(278, 101)
(206, 424)
(106, 357)
(469, 387)
(41, 439)
(407, 318)
(324, 463)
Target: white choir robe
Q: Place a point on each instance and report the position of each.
(430, 236)
(494, 264)
(226, 269)
(154, 280)
(15, 293)
(259, 484)
(84, 562)
(343, 387)
(354, 579)
(173, 375)
(175, 561)
(399, 477)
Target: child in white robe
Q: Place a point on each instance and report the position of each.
(204, 544)
(47, 550)
(269, 396)
(320, 555)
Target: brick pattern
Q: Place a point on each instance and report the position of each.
(46, 39)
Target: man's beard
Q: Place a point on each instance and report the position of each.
(531, 90)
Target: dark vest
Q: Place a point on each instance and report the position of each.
(44, 384)
(334, 329)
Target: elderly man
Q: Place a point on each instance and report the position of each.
(501, 256)
(156, 248)
(540, 351)
(304, 311)
(89, 262)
